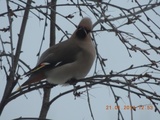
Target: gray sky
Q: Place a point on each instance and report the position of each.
(67, 107)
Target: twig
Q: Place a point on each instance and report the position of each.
(89, 103)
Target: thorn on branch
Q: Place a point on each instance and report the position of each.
(154, 63)
(111, 72)
(69, 16)
(156, 37)
(117, 98)
(103, 28)
(131, 67)
(144, 33)
(10, 12)
(147, 75)
(5, 29)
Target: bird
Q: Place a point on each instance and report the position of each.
(69, 59)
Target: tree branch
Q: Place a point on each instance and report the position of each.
(47, 90)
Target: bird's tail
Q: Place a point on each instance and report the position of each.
(36, 77)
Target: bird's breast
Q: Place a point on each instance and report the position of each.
(77, 69)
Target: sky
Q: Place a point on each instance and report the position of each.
(67, 107)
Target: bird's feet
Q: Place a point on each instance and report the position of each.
(72, 81)
(48, 85)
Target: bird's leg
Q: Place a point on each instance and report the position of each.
(48, 85)
(72, 81)
(75, 92)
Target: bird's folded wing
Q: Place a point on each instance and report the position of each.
(57, 55)
(40, 66)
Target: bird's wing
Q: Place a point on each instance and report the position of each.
(57, 55)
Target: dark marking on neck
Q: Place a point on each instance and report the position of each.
(82, 32)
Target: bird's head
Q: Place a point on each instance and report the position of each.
(84, 28)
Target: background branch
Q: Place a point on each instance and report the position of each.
(117, 30)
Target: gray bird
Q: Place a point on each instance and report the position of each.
(70, 59)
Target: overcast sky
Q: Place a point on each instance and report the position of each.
(67, 107)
